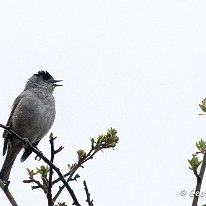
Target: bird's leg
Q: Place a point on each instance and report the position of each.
(6, 185)
(35, 146)
(26, 142)
(38, 157)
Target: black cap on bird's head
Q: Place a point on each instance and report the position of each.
(42, 80)
(47, 77)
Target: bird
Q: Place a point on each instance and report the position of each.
(32, 116)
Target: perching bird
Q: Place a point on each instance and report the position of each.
(32, 116)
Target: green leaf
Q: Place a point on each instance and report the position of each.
(201, 146)
(31, 172)
(109, 140)
(194, 163)
(203, 105)
(81, 154)
(61, 204)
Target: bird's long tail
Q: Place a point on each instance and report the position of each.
(12, 152)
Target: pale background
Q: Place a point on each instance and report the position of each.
(138, 66)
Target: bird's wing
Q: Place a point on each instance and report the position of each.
(6, 134)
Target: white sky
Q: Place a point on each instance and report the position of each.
(138, 66)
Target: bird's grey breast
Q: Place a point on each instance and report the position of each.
(34, 115)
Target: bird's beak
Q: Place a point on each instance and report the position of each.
(53, 81)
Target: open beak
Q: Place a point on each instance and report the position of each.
(53, 81)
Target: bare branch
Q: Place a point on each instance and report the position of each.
(39, 185)
(88, 156)
(57, 170)
(89, 201)
(103, 142)
(49, 191)
(199, 181)
(8, 194)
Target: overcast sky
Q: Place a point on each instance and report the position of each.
(138, 66)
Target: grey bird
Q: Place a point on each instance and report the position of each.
(33, 113)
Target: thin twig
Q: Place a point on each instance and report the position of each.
(49, 191)
(58, 193)
(39, 185)
(58, 150)
(199, 181)
(88, 200)
(89, 155)
(57, 170)
(8, 194)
